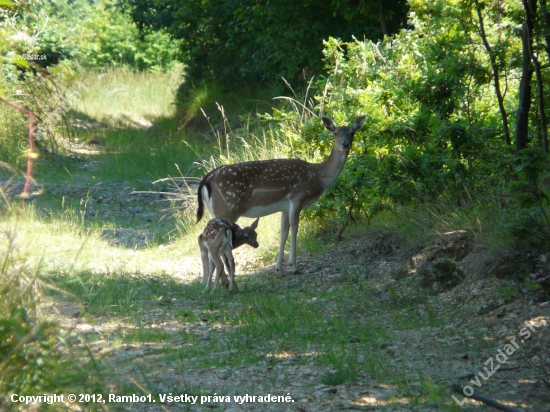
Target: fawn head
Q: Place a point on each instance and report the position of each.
(249, 235)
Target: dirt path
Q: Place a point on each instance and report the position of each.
(392, 324)
(428, 337)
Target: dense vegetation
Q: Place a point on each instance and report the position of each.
(249, 43)
(87, 35)
(455, 94)
(455, 118)
(456, 102)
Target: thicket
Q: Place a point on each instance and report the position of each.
(456, 119)
(83, 34)
(246, 43)
(98, 35)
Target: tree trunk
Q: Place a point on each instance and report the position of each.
(496, 77)
(524, 105)
(540, 86)
(546, 16)
(383, 20)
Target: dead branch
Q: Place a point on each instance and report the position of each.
(485, 399)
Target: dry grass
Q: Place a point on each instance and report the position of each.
(128, 95)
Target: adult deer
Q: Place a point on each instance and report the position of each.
(216, 242)
(260, 188)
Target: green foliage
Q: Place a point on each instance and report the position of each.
(27, 345)
(44, 93)
(530, 196)
(35, 356)
(243, 42)
(433, 136)
(90, 34)
(98, 34)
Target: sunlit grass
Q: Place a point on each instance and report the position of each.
(127, 95)
(38, 354)
(68, 240)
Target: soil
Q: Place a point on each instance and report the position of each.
(454, 268)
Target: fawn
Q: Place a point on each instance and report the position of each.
(219, 238)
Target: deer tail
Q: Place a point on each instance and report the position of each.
(200, 211)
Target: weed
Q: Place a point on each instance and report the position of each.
(36, 357)
(508, 292)
(128, 97)
(342, 375)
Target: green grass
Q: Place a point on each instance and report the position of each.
(117, 294)
(146, 335)
(126, 96)
(139, 154)
(142, 140)
(210, 105)
(37, 355)
(343, 375)
(337, 329)
(261, 327)
(255, 326)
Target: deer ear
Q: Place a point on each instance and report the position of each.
(328, 124)
(255, 224)
(359, 122)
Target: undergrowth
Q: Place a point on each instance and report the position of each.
(36, 356)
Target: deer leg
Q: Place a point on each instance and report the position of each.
(225, 281)
(230, 261)
(294, 220)
(211, 267)
(205, 262)
(224, 278)
(285, 225)
(219, 270)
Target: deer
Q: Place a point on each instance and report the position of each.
(216, 242)
(260, 188)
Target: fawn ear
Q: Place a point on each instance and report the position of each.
(255, 224)
(358, 123)
(328, 124)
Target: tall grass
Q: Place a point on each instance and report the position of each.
(252, 138)
(133, 114)
(36, 357)
(127, 95)
(139, 154)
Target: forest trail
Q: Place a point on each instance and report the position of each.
(391, 327)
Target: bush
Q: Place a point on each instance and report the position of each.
(99, 34)
(35, 356)
(433, 137)
(240, 43)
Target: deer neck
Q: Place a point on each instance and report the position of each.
(330, 169)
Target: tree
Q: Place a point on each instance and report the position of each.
(496, 74)
(247, 42)
(524, 101)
